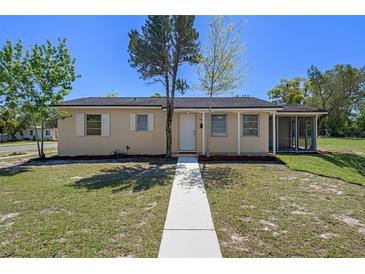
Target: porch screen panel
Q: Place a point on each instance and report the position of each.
(309, 134)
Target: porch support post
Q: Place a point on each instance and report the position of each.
(296, 133)
(238, 133)
(274, 133)
(315, 129)
(277, 133)
(203, 133)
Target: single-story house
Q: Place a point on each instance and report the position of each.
(239, 125)
(29, 133)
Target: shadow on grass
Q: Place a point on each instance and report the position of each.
(136, 177)
(353, 161)
(13, 170)
(220, 176)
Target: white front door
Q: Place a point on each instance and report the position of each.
(187, 132)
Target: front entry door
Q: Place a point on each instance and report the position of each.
(187, 132)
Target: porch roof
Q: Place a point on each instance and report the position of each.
(301, 108)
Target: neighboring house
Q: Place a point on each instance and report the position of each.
(49, 134)
(239, 125)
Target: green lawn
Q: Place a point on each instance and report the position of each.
(346, 160)
(344, 166)
(22, 143)
(346, 145)
(269, 210)
(84, 209)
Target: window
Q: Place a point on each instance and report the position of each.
(93, 124)
(48, 132)
(250, 125)
(31, 132)
(218, 125)
(141, 122)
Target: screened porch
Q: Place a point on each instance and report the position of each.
(294, 133)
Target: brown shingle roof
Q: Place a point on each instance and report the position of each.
(300, 108)
(180, 102)
(185, 102)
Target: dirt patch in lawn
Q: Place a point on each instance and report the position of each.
(263, 210)
(8, 219)
(84, 209)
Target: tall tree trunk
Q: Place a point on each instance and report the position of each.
(208, 128)
(169, 131)
(168, 119)
(37, 139)
(42, 141)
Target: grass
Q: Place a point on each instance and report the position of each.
(343, 145)
(344, 166)
(269, 210)
(346, 160)
(22, 143)
(84, 209)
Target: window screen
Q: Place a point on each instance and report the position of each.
(250, 125)
(93, 124)
(142, 122)
(218, 125)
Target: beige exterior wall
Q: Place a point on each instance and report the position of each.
(257, 143)
(146, 142)
(153, 142)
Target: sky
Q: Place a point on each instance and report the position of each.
(277, 47)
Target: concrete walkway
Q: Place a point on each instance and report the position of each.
(189, 230)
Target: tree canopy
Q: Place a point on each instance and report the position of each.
(339, 90)
(156, 95)
(289, 91)
(33, 81)
(111, 94)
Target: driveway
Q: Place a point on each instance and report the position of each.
(25, 147)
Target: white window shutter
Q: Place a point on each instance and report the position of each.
(132, 121)
(105, 124)
(151, 121)
(80, 124)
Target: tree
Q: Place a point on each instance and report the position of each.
(11, 70)
(158, 51)
(12, 120)
(360, 121)
(221, 68)
(289, 91)
(156, 95)
(36, 81)
(340, 91)
(111, 94)
(13, 79)
(53, 72)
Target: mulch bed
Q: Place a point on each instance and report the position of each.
(240, 158)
